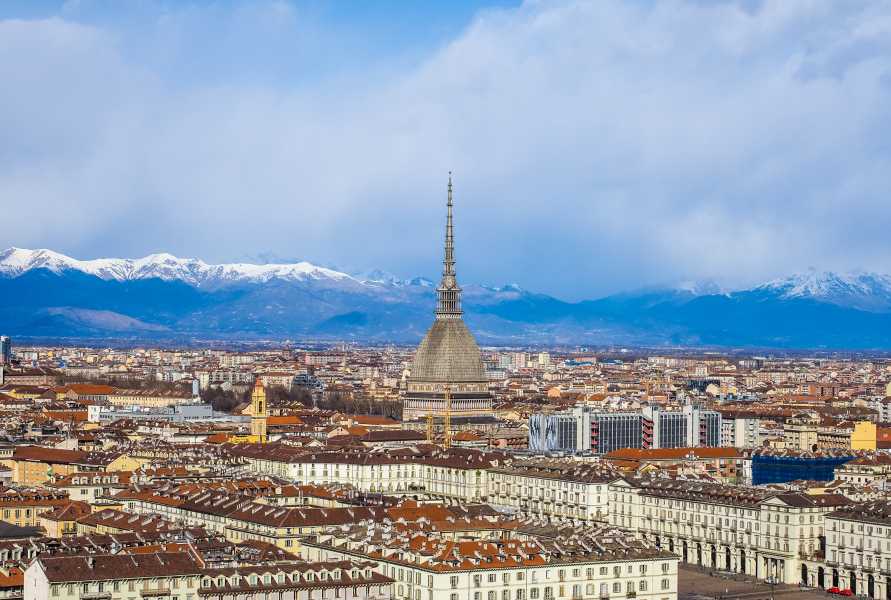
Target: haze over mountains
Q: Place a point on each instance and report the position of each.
(44, 293)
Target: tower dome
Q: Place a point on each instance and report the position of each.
(448, 356)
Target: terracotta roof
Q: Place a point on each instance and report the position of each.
(673, 453)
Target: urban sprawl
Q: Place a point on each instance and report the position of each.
(442, 472)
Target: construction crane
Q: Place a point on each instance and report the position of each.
(446, 422)
(447, 419)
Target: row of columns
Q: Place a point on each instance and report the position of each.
(769, 568)
(861, 584)
(727, 558)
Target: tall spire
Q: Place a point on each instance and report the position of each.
(448, 305)
(449, 260)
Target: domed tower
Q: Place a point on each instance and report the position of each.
(448, 357)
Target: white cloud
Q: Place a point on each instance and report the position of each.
(596, 145)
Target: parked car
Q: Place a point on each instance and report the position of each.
(846, 593)
(834, 590)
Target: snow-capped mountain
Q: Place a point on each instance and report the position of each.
(385, 278)
(47, 294)
(16, 261)
(862, 290)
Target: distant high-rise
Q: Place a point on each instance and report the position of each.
(584, 430)
(448, 357)
(5, 350)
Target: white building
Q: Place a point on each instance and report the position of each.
(547, 565)
(746, 530)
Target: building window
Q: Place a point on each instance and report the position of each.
(666, 584)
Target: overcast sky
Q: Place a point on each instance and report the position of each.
(597, 146)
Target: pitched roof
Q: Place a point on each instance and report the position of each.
(107, 567)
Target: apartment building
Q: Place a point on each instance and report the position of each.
(147, 399)
(858, 551)
(454, 473)
(553, 489)
(873, 470)
(741, 432)
(726, 465)
(183, 576)
(754, 531)
(597, 563)
(21, 506)
(239, 518)
(342, 580)
(33, 465)
(114, 577)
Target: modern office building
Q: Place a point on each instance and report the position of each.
(582, 430)
(5, 350)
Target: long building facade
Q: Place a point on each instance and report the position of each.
(583, 430)
(754, 531)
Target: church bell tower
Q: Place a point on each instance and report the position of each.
(259, 412)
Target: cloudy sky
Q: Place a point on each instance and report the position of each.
(597, 146)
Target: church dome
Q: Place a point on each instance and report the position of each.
(448, 354)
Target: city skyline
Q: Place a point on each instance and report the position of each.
(596, 147)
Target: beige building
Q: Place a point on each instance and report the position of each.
(554, 489)
(548, 565)
(758, 532)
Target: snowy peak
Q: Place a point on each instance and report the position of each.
(17, 261)
(863, 290)
(380, 278)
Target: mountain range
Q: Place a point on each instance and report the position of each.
(47, 294)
